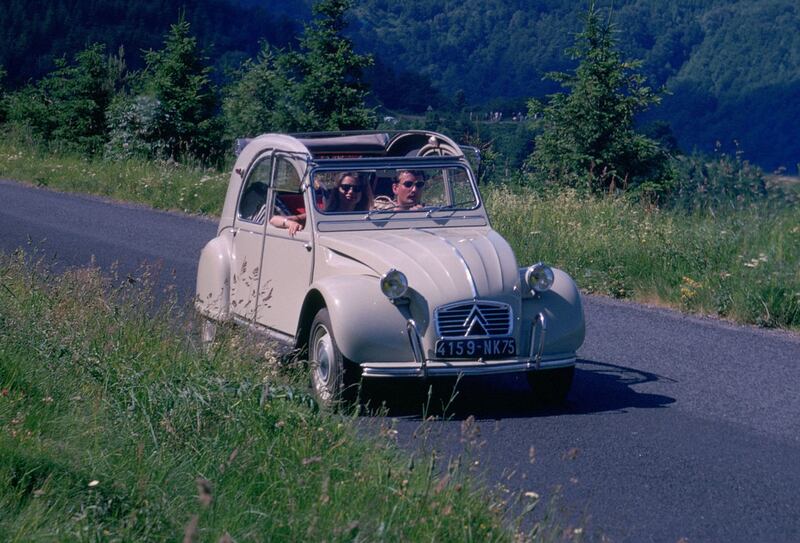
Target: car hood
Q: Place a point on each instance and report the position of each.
(441, 264)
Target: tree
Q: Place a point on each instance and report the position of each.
(67, 107)
(178, 78)
(259, 100)
(588, 139)
(330, 93)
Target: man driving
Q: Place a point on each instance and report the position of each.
(407, 189)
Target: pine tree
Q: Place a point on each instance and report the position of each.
(330, 93)
(178, 78)
(67, 107)
(259, 100)
(588, 139)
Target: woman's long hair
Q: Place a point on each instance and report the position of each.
(334, 202)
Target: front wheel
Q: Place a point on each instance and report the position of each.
(551, 386)
(331, 378)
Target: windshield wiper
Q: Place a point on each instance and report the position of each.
(451, 206)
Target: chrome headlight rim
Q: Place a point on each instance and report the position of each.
(394, 284)
(539, 277)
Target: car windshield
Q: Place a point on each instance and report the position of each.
(394, 190)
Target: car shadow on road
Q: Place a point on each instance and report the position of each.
(597, 387)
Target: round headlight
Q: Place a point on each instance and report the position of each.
(539, 277)
(394, 284)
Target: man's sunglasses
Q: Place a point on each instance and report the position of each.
(346, 187)
(409, 184)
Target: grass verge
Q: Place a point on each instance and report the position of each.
(114, 426)
(743, 264)
(163, 185)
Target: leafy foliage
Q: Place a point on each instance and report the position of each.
(178, 78)
(257, 101)
(174, 113)
(133, 122)
(731, 67)
(738, 88)
(330, 92)
(319, 87)
(588, 140)
(68, 106)
(722, 181)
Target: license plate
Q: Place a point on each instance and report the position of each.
(476, 348)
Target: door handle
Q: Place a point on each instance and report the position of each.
(307, 246)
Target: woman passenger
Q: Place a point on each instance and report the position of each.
(350, 192)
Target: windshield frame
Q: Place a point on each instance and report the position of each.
(383, 163)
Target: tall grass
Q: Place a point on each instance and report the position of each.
(742, 264)
(114, 426)
(190, 188)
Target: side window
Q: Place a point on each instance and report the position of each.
(253, 203)
(288, 197)
(286, 178)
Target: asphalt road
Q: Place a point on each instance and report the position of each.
(676, 426)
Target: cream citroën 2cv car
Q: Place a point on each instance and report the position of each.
(372, 252)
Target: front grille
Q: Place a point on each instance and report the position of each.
(473, 319)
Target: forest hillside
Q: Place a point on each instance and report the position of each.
(731, 69)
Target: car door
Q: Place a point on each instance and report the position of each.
(287, 261)
(248, 238)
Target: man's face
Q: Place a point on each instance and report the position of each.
(407, 190)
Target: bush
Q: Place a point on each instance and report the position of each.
(133, 128)
(713, 183)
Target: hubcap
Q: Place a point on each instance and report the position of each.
(323, 353)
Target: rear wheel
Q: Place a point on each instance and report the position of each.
(332, 378)
(551, 386)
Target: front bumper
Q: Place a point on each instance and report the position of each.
(437, 368)
(424, 367)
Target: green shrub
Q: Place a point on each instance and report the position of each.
(713, 183)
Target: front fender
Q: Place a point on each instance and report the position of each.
(563, 311)
(212, 297)
(366, 325)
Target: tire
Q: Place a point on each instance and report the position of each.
(551, 386)
(208, 333)
(332, 378)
